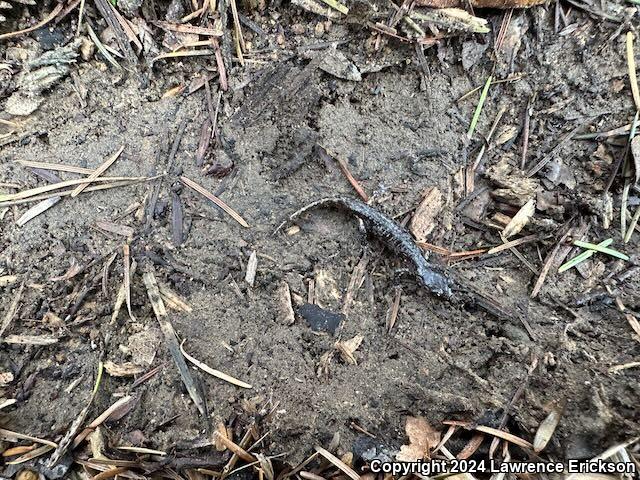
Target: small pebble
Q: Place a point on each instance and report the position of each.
(298, 29)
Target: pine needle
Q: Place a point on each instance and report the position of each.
(337, 6)
(202, 191)
(631, 62)
(97, 172)
(632, 226)
(211, 371)
(476, 114)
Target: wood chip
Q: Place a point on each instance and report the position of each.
(285, 304)
(31, 339)
(392, 314)
(126, 369)
(355, 282)
(424, 218)
(635, 325)
(252, 267)
(115, 228)
(13, 308)
(347, 348)
(520, 219)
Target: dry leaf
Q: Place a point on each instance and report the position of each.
(348, 348)
(603, 154)
(507, 134)
(74, 269)
(520, 219)
(51, 320)
(96, 443)
(347, 459)
(12, 452)
(424, 219)
(422, 438)
(546, 429)
(121, 408)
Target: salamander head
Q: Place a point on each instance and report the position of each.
(435, 282)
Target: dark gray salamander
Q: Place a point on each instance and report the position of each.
(396, 238)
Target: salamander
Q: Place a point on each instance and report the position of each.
(396, 238)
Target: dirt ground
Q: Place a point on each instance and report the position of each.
(402, 131)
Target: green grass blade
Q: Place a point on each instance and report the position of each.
(598, 248)
(583, 256)
(476, 114)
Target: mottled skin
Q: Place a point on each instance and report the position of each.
(396, 238)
